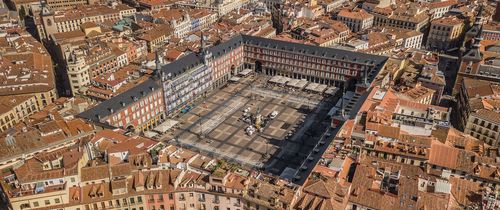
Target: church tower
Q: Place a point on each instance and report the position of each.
(470, 61)
(49, 25)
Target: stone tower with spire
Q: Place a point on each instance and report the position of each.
(49, 25)
(470, 61)
(474, 30)
(203, 52)
(157, 73)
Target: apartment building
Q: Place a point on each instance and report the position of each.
(439, 8)
(15, 109)
(369, 5)
(202, 19)
(311, 10)
(445, 33)
(184, 21)
(477, 110)
(419, 94)
(404, 38)
(356, 20)
(155, 4)
(226, 6)
(182, 84)
(48, 126)
(137, 109)
(157, 37)
(410, 134)
(331, 5)
(54, 4)
(27, 76)
(42, 182)
(106, 86)
(86, 181)
(491, 31)
(407, 16)
(431, 78)
(476, 28)
(274, 57)
(90, 60)
(77, 71)
(321, 32)
(483, 124)
(313, 63)
(196, 74)
(50, 22)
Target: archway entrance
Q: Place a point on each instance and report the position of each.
(233, 71)
(258, 67)
(130, 128)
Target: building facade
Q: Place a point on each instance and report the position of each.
(476, 110)
(356, 20)
(50, 22)
(409, 16)
(138, 109)
(445, 33)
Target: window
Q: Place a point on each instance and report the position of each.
(35, 204)
(47, 202)
(57, 200)
(25, 206)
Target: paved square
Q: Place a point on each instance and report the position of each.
(215, 126)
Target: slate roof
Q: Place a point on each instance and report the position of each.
(103, 109)
(192, 60)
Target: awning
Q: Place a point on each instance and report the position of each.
(331, 90)
(235, 79)
(279, 80)
(295, 83)
(165, 126)
(150, 134)
(245, 72)
(312, 86)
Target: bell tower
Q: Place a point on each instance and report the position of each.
(49, 25)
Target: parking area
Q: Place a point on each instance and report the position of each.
(217, 126)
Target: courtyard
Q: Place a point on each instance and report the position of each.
(215, 125)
